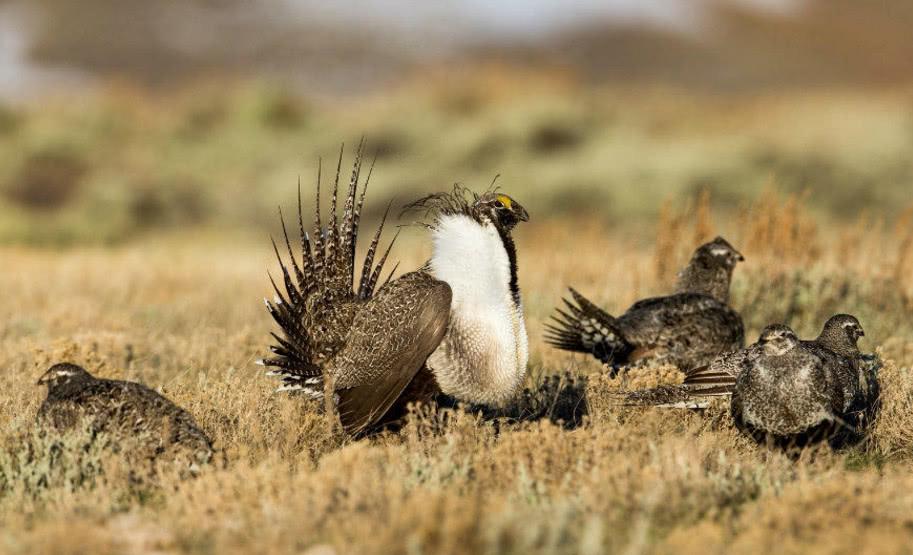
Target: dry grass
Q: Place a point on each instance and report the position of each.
(177, 183)
(186, 317)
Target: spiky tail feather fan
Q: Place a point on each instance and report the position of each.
(678, 396)
(316, 290)
(584, 327)
(710, 378)
(700, 386)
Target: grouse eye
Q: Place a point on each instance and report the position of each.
(721, 252)
(499, 204)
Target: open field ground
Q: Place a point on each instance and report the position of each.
(187, 318)
(150, 265)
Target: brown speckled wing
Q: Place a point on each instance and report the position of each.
(391, 338)
(686, 329)
(786, 394)
(124, 410)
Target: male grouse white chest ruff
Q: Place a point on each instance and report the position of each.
(484, 355)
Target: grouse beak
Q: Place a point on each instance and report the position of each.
(520, 213)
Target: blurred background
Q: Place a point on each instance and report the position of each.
(124, 118)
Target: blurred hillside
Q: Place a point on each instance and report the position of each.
(109, 166)
(736, 48)
(203, 114)
(350, 46)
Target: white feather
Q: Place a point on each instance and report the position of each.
(308, 391)
(719, 251)
(685, 405)
(283, 388)
(483, 358)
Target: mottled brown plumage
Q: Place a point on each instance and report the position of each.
(364, 348)
(716, 379)
(794, 393)
(824, 376)
(840, 335)
(125, 411)
(687, 329)
(391, 338)
(355, 344)
(709, 272)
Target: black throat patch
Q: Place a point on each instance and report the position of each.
(511, 249)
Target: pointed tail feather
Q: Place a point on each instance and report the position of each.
(317, 286)
(584, 327)
(679, 396)
(709, 377)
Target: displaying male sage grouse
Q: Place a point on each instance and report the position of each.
(687, 329)
(455, 325)
(483, 357)
(128, 412)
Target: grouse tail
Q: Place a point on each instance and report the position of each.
(319, 287)
(710, 378)
(679, 396)
(581, 326)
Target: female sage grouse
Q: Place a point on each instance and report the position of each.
(686, 329)
(455, 325)
(126, 411)
(796, 392)
(716, 379)
(787, 384)
(840, 335)
(829, 390)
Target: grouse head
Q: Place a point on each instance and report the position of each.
(500, 209)
(492, 207)
(717, 253)
(710, 270)
(841, 334)
(778, 339)
(64, 375)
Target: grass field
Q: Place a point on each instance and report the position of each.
(176, 304)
